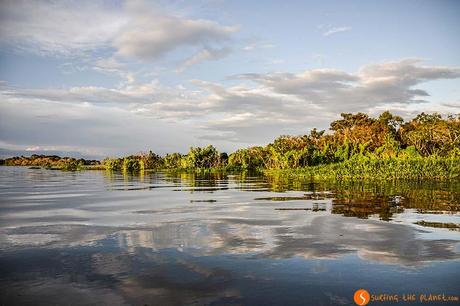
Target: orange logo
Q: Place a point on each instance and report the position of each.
(361, 297)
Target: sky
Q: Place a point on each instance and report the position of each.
(109, 78)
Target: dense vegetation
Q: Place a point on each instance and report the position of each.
(51, 162)
(428, 146)
(357, 146)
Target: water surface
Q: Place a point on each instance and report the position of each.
(98, 238)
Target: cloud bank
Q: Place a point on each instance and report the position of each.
(254, 111)
(133, 30)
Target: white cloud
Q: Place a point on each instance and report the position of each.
(108, 64)
(336, 30)
(151, 33)
(452, 105)
(373, 85)
(58, 27)
(32, 149)
(261, 107)
(135, 29)
(283, 94)
(205, 54)
(258, 45)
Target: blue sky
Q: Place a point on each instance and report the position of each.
(118, 77)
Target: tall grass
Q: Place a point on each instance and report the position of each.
(365, 167)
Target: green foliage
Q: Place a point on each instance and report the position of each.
(409, 152)
(150, 161)
(250, 158)
(201, 158)
(365, 167)
(430, 134)
(132, 165)
(72, 165)
(112, 164)
(51, 161)
(358, 146)
(172, 161)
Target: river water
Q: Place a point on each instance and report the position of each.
(99, 238)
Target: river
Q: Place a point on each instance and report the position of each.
(99, 238)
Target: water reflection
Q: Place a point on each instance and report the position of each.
(184, 238)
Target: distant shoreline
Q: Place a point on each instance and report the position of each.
(358, 146)
(360, 168)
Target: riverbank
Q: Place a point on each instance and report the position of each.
(363, 167)
(358, 147)
(358, 167)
